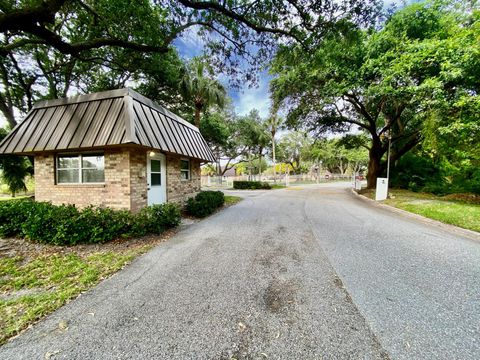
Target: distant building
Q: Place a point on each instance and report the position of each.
(230, 172)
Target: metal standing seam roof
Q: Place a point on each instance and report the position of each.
(110, 118)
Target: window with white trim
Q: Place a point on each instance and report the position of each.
(155, 172)
(81, 169)
(185, 169)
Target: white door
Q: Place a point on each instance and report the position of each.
(156, 179)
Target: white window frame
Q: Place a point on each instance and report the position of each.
(188, 172)
(80, 168)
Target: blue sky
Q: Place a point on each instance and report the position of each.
(245, 98)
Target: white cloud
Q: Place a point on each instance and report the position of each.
(254, 98)
(190, 44)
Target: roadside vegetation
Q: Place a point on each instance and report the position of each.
(66, 225)
(406, 78)
(232, 200)
(38, 279)
(461, 210)
(44, 263)
(205, 203)
(51, 254)
(251, 185)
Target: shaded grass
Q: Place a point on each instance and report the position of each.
(29, 182)
(231, 200)
(447, 210)
(6, 198)
(33, 288)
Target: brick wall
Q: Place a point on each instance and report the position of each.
(178, 191)
(124, 188)
(125, 184)
(138, 179)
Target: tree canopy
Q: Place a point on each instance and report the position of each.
(199, 87)
(384, 83)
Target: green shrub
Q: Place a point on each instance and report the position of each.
(101, 225)
(251, 185)
(47, 223)
(157, 218)
(13, 214)
(65, 225)
(205, 203)
(266, 186)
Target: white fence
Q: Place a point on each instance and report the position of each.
(227, 181)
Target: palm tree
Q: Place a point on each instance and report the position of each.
(198, 85)
(274, 123)
(14, 169)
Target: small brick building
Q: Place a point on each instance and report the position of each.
(116, 149)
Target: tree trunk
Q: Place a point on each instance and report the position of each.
(374, 166)
(198, 110)
(249, 166)
(7, 112)
(274, 161)
(260, 166)
(342, 170)
(219, 169)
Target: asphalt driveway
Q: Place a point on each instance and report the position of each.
(302, 273)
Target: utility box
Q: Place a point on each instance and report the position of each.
(382, 189)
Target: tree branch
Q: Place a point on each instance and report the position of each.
(352, 99)
(40, 14)
(221, 9)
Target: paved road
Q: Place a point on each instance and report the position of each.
(306, 273)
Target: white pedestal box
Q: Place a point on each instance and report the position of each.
(382, 189)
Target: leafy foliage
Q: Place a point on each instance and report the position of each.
(386, 83)
(155, 219)
(14, 170)
(418, 173)
(338, 158)
(254, 167)
(66, 225)
(205, 203)
(235, 139)
(293, 148)
(229, 29)
(251, 185)
(199, 87)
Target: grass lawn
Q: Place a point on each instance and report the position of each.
(5, 198)
(457, 210)
(38, 279)
(231, 200)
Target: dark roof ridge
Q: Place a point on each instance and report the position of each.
(82, 98)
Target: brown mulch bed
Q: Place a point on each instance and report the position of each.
(12, 247)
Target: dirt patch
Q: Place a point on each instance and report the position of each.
(469, 198)
(28, 250)
(280, 295)
(274, 256)
(338, 282)
(22, 292)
